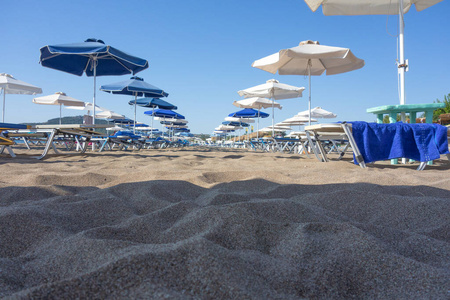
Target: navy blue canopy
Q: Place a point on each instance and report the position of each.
(172, 123)
(229, 123)
(164, 113)
(135, 86)
(153, 102)
(78, 58)
(248, 113)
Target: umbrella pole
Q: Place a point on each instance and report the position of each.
(257, 124)
(134, 127)
(273, 117)
(3, 113)
(60, 113)
(94, 61)
(153, 116)
(309, 79)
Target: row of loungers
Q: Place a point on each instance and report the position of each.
(368, 142)
(76, 138)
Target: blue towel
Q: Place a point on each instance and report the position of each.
(422, 142)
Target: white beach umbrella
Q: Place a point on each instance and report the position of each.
(109, 114)
(378, 7)
(310, 58)
(173, 120)
(60, 99)
(257, 103)
(276, 128)
(10, 85)
(240, 120)
(317, 112)
(274, 90)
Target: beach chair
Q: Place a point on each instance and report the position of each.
(124, 140)
(68, 136)
(371, 142)
(5, 141)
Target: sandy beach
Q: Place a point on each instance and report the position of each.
(211, 223)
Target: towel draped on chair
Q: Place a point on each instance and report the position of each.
(421, 142)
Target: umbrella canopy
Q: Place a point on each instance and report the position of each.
(317, 112)
(310, 58)
(10, 85)
(87, 106)
(367, 7)
(136, 87)
(92, 58)
(109, 114)
(242, 120)
(276, 128)
(379, 7)
(235, 124)
(248, 113)
(227, 128)
(60, 99)
(274, 90)
(164, 113)
(123, 121)
(297, 120)
(257, 103)
(171, 120)
(153, 102)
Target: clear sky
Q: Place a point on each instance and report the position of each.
(200, 52)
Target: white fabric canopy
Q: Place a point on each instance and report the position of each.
(273, 89)
(297, 119)
(256, 103)
(226, 127)
(276, 128)
(310, 58)
(367, 7)
(10, 85)
(241, 120)
(317, 112)
(60, 99)
(109, 114)
(173, 120)
(88, 106)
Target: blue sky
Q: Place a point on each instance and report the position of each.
(200, 52)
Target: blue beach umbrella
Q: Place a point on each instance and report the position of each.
(92, 58)
(250, 113)
(153, 103)
(229, 123)
(164, 113)
(136, 87)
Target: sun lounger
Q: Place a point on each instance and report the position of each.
(124, 139)
(69, 136)
(372, 142)
(5, 141)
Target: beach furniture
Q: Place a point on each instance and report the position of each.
(5, 141)
(69, 136)
(123, 139)
(371, 142)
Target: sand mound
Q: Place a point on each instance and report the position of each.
(223, 232)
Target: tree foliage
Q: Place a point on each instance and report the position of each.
(444, 110)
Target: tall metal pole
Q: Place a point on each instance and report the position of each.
(309, 102)
(4, 92)
(134, 127)
(94, 61)
(402, 64)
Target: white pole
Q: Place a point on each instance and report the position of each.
(402, 64)
(153, 111)
(4, 92)
(60, 113)
(134, 127)
(309, 102)
(257, 124)
(94, 61)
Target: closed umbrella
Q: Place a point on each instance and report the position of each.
(379, 7)
(310, 58)
(93, 58)
(10, 85)
(274, 90)
(60, 99)
(136, 87)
